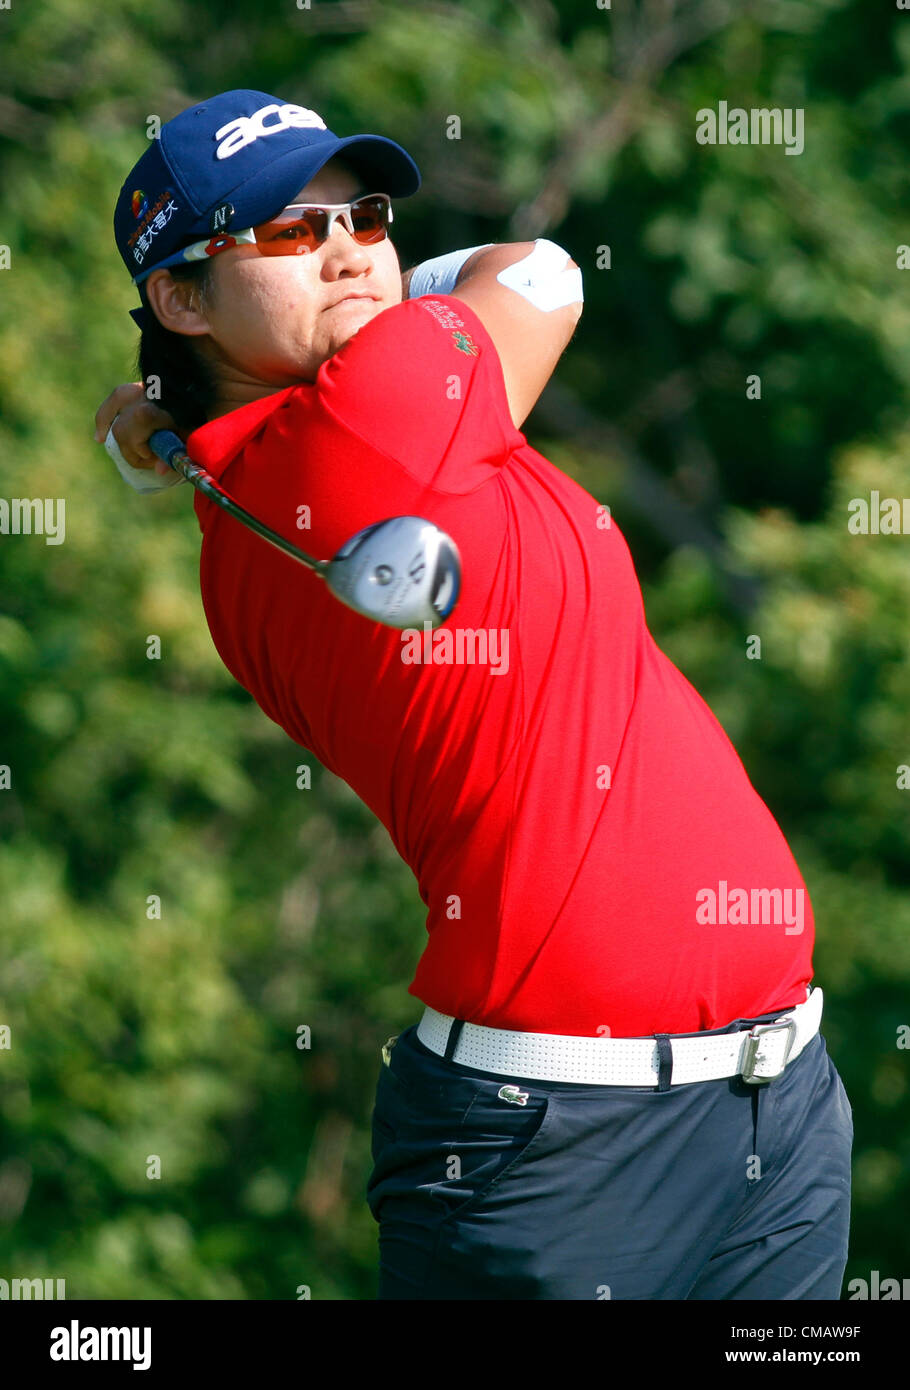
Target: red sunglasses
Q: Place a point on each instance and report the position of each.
(295, 231)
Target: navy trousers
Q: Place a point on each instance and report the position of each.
(709, 1190)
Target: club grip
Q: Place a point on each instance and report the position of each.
(166, 444)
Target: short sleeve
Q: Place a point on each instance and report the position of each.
(422, 383)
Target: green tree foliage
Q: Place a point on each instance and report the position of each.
(138, 782)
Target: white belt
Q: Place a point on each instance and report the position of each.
(759, 1053)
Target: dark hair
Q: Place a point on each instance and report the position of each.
(187, 380)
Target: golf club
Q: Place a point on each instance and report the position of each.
(402, 572)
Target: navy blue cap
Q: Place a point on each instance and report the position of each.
(234, 161)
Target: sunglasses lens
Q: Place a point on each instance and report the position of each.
(294, 233)
(371, 219)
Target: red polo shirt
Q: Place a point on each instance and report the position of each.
(590, 850)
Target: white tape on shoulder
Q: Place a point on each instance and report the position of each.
(140, 479)
(544, 278)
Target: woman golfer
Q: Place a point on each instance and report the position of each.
(617, 1087)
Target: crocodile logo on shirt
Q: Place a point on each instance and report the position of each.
(465, 343)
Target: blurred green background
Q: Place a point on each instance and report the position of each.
(282, 907)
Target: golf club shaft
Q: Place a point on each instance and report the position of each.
(170, 450)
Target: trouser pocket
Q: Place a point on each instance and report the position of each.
(442, 1143)
(494, 1140)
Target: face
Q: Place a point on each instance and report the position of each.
(273, 320)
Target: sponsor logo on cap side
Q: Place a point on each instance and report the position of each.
(221, 218)
(154, 220)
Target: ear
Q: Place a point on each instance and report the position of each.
(176, 304)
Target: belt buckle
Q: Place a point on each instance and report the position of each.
(752, 1043)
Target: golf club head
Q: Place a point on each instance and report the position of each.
(402, 572)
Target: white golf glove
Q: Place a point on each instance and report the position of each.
(140, 479)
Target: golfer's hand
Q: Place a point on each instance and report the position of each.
(134, 419)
